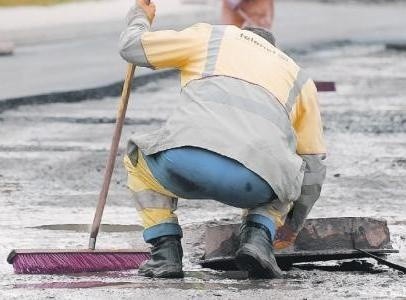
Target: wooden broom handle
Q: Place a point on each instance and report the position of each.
(112, 156)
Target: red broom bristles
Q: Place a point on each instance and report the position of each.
(76, 262)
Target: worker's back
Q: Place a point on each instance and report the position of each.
(206, 50)
(243, 98)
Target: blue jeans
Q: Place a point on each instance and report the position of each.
(195, 173)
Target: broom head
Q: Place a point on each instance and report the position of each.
(75, 261)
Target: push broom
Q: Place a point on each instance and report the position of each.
(61, 261)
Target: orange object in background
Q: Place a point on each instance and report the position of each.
(258, 13)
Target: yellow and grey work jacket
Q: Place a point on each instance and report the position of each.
(242, 98)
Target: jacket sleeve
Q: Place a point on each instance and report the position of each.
(307, 123)
(163, 48)
(130, 44)
(315, 173)
(311, 147)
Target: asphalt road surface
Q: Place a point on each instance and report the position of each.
(51, 165)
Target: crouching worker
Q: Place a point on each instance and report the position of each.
(248, 134)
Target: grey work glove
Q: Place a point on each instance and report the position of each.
(315, 172)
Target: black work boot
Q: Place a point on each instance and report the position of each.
(166, 259)
(255, 253)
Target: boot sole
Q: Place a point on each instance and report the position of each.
(247, 259)
(163, 274)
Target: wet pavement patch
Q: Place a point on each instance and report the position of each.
(193, 280)
(86, 227)
(132, 285)
(66, 285)
(164, 284)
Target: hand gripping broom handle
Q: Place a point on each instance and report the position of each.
(112, 156)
